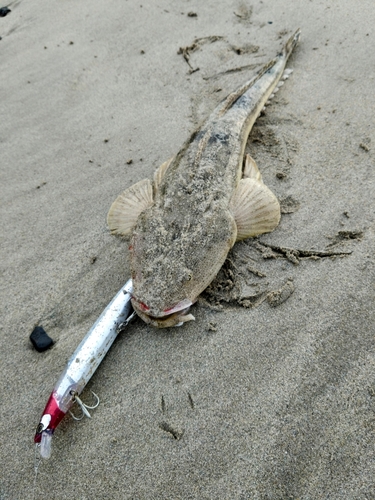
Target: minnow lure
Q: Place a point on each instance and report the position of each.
(183, 224)
(82, 365)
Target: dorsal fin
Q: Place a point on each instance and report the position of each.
(160, 172)
(251, 169)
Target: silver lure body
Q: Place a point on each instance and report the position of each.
(94, 346)
(82, 365)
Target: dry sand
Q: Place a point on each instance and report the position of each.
(268, 402)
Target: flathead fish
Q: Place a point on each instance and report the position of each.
(183, 223)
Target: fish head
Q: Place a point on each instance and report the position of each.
(172, 265)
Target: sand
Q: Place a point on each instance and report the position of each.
(273, 401)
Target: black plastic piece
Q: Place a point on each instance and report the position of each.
(4, 11)
(40, 340)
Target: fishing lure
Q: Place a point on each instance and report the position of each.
(81, 366)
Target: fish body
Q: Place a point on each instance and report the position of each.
(183, 224)
(82, 365)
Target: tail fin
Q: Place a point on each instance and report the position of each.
(291, 43)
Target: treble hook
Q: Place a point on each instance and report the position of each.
(83, 406)
(128, 320)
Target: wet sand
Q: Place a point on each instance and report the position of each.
(270, 393)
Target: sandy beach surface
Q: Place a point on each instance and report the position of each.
(270, 393)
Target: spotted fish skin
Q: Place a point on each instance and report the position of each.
(183, 224)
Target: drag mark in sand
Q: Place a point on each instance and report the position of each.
(175, 413)
(176, 433)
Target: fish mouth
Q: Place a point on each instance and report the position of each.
(173, 316)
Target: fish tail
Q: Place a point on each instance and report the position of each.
(291, 43)
(281, 58)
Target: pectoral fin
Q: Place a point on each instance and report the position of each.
(255, 208)
(127, 207)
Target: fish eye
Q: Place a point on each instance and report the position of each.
(40, 428)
